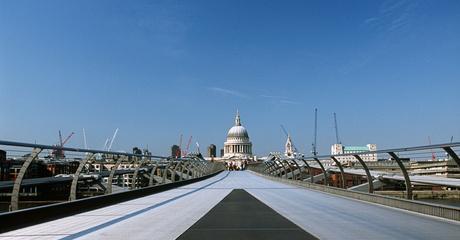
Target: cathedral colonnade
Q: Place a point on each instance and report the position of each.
(246, 149)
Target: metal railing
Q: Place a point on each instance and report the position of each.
(91, 167)
(297, 167)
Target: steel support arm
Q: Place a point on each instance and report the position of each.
(73, 186)
(342, 174)
(112, 173)
(322, 169)
(152, 174)
(290, 169)
(368, 174)
(310, 170)
(136, 172)
(300, 170)
(165, 171)
(453, 155)
(14, 205)
(405, 174)
(284, 168)
(271, 167)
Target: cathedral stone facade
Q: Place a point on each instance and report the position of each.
(238, 146)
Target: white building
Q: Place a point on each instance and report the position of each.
(290, 150)
(238, 146)
(341, 149)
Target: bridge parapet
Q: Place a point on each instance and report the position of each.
(87, 172)
(305, 168)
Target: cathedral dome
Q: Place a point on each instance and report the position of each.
(238, 145)
(237, 132)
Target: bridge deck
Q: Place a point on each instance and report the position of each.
(169, 214)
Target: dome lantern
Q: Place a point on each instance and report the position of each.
(237, 118)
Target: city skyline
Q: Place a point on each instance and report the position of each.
(157, 70)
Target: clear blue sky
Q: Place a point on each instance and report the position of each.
(156, 69)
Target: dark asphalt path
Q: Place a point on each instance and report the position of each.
(241, 216)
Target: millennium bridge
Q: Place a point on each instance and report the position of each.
(191, 198)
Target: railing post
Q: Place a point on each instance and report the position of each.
(284, 169)
(341, 170)
(300, 170)
(275, 167)
(112, 173)
(152, 174)
(76, 176)
(368, 174)
(310, 170)
(196, 168)
(290, 169)
(453, 155)
(322, 169)
(405, 174)
(14, 205)
(165, 171)
(189, 168)
(174, 172)
(271, 167)
(261, 168)
(204, 168)
(136, 172)
(181, 169)
(265, 168)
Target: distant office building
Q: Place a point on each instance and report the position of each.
(175, 151)
(212, 151)
(4, 166)
(147, 152)
(222, 152)
(137, 151)
(341, 149)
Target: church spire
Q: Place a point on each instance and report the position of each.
(237, 118)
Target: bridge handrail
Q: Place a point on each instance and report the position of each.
(447, 147)
(203, 167)
(71, 149)
(406, 149)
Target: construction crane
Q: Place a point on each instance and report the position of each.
(59, 153)
(105, 144)
(60, 138)
(198, 147)
(67, 138)
(284, 130)
(84, 139)
(188, 146)
(433, 155)
(313, 151)
(337, 140)
(178, 153)
(113, 138)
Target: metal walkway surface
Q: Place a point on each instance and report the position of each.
(241, 216)
(169, 214)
